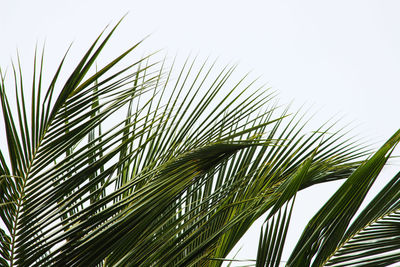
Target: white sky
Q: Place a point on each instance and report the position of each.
(340, 56)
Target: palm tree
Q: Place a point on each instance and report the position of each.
(130, 166)
(331, 238)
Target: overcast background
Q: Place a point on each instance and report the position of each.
(341, 57)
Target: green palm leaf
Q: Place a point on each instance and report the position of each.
(272, 237)
(373, 237)
(325, 239)
(175, 182)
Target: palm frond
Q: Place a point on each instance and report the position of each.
(177, 181)
(372, 240)
(272, 238)
(325, 235)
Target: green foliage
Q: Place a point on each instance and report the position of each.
(331, 238)
(326, 229)
(175, 179)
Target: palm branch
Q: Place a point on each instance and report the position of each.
(176, 181)
(372, 240)
(331, 238)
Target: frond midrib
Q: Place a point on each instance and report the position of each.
(358, 232)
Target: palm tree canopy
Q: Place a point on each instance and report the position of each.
(175, 179)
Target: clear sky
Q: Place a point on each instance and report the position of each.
(341, 57)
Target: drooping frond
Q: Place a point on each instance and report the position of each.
(272, 238)
(325, 240)
(176, 180)
(372, 240)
